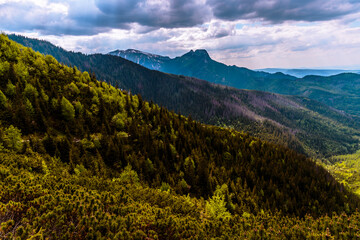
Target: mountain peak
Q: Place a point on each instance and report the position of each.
(199, 53)
(128, 51)
(131, 53)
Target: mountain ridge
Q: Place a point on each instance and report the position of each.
(340, 90)
(302, 72)
(180, 66)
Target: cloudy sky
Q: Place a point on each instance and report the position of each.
(249, 33)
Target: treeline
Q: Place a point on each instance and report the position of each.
(91, 125)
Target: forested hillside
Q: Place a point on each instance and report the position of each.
(299, 123)
(82, 159)
(70, 115)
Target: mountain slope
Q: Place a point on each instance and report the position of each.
(340, 91)
(97, 130)
(291, 121)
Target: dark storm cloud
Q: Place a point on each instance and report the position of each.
(84, 17)
(276, 11)
(121, 14)
(166, 14)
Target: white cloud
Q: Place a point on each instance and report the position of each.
(325, 44)
(84, 26)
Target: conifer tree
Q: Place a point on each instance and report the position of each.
(12, 138)
(3, 99)
(67, 109)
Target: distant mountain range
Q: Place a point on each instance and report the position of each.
(340, 91)
(180, 65)
(297, 122)
(199, 64)
(300, 73)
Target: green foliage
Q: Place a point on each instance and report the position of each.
(216, 205)
(346, 169)
(44, 95)
(79, 108)
(128, 177)
(165, 187)
(29, 106)
(67, 109)
(79, 170)
(189, 165)
(119, 120)
(4, 67)
(30, 91)
(87, 144)
(183, 186)
(95, 138)
(54, 104)
(3, 99)
(10, 89)
(85, 77)
(21, 70)
(149, 166)
(12, 138)
(45, 168)
(72, 88)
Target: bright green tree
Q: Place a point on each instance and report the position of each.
(3, 99)
(128, 176)
(10, 89)
(30, 91)
(216, 206)
(67, 109)
(12, 138)
(119, 120)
